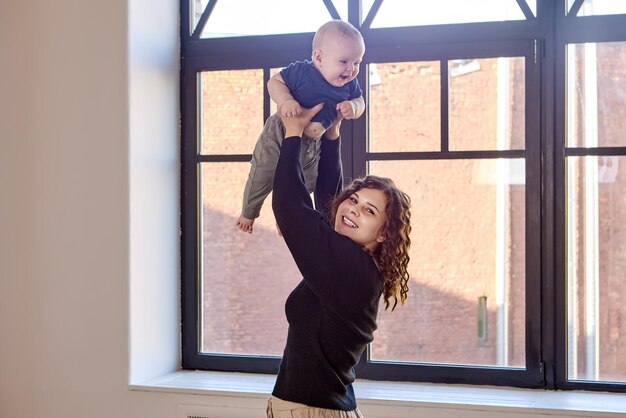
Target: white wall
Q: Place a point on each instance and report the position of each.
(154, 157)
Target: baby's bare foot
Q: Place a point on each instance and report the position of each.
(245, 224)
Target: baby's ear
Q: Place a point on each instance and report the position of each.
(316, 56)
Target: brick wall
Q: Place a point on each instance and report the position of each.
(246, 278)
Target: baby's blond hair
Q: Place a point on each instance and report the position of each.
(336, 26)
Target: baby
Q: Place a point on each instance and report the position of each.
(330, 77)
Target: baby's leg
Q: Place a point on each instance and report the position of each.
(261, 177)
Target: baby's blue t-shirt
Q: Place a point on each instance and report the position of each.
(308, 87)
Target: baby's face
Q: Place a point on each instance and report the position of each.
(339, 58)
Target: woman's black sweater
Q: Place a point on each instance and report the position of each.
(332, 312)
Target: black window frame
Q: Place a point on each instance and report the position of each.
(542, 41)
(572, 29)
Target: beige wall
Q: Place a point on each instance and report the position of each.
(66, 140)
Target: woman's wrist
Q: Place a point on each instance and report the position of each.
(289, 132)
(333, 132)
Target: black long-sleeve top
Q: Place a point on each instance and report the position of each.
(332, 312)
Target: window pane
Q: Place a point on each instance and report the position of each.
(196, 7)
(599, 7)
(255, 17)
(596, 267)
(466, 302)
(273, 106)
(533, 6)
(342, 8)
(365, 8)
(596, 103)
(401, 118)
(225, 97)
(245, 278)
(487, 104)
(427, 12)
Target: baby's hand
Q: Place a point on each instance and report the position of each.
(347, 109)
(290, 108)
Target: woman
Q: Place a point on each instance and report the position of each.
(346, 268)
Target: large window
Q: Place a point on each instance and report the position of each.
(503, 122)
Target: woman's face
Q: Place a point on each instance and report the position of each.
(361, 217)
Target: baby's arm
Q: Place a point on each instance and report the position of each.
(287, 105)
(351, 109)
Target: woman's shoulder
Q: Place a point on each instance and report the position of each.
(356, 263)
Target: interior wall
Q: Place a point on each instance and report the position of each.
(154, 157)
(82, 96)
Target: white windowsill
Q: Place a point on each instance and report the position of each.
(399, 394)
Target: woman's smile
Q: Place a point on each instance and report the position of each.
(349, 222)
(361, 217)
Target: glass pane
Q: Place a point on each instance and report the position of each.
(487, 104)
(466, 303)
(273, 106)
(596, 103)
(196, 7)
(401, 118)
(245, 278)
(225, 97)
(596, 267)
(254, 17)
(342, 8)
(533, 6)
(365, 8)
(427, 12)
(599, 7)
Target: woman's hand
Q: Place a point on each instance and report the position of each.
(294, 125)
(290, 108)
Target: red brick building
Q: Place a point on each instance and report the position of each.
(468, 218)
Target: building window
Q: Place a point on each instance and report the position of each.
(502, 122)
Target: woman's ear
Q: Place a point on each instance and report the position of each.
(381, 237)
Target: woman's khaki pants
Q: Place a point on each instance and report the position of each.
(277, 408)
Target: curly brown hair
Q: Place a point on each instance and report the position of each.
(392, 255)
